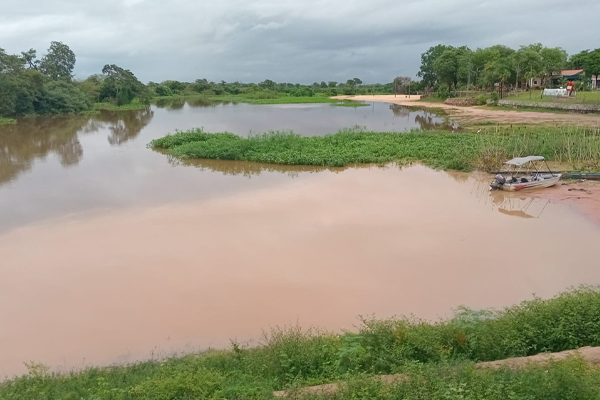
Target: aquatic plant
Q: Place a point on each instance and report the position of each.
(484, 150)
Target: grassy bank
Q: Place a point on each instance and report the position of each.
(294, 357)
(592, 97)
(7, 121)
(134, 105)
(485, 150)
(261, 98)
(568, 379)
(350, 103)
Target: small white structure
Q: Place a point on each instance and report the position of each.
(556, 92)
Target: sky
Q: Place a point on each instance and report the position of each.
(299, 41)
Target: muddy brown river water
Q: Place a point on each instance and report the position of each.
(227, 249)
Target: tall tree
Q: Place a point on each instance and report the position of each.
(427, 71)
(553, 60)
(577, 61)
(446, 67)
(29, 57)
(401, 84)
(59, 62)
(592, 64)
(121, 85)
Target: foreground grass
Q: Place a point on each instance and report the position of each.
(293, 357)
(4, 121)
(568, 379)
(485, 150)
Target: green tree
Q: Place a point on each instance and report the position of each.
(592, 64)
(61, 97)
(445, 67)
(267, 84)
(577, 61)
(553, 61)
(59, 62)
(524, 60)
(332, 84)
(427, 71)
(29, 57)
(121, 85)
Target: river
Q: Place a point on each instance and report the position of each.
(110, 254)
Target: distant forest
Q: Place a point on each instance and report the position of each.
(40, 86)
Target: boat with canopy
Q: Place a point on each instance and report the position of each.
(524, 173)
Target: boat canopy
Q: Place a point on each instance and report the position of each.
(523, 160)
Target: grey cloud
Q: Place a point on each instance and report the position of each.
(284, 40)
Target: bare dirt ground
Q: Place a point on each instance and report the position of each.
(583, 195)
(475, 115)
(589, 354)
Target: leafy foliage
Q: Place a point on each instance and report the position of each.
(58, 63)
(461, 151)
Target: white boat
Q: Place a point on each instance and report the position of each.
(515, 178)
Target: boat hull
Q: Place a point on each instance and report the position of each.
(515, 187)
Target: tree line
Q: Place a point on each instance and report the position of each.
(446, 68)
(45, 85)
(32, 85)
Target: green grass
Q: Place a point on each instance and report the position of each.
(272, 98)
(134, 105)
(350, 103)
(293, 357)
(440, 149)
(592, 97)
(432, 99)
(4, 121)
(526, 109)
(568, 379)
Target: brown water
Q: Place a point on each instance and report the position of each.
(51, 167)
(227, 249)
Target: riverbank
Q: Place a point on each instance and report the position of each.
(291, 358)
(482, 115)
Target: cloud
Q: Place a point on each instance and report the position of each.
(284, 40)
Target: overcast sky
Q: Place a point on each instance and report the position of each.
(285, 40)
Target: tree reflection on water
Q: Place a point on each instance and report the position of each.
(32, 139)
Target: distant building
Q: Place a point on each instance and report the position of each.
(568, 74)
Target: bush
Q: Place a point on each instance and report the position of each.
(482, 100)
(302, 92)
(495, 98)
(162, 90)
(60, 97)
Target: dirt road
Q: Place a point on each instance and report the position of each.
(476, 115)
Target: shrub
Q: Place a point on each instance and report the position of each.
(303, 92)
(482, 100)
(495, 98)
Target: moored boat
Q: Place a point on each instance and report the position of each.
(515, 179)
